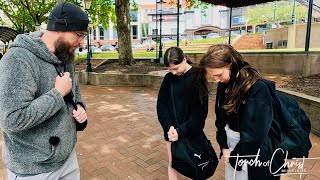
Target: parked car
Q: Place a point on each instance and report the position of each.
(137, 45)
(80, 50)
(233, 33)
(147, 43)
(182, 38)
(107, 47)
(196, 37)
(166, 40)
(95, 49)
(212, 36)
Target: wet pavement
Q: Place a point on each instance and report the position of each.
(124, 139)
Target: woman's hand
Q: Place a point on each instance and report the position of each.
(172, 134)
(225, 155)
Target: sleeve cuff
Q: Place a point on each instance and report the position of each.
(81, 104)
(81, 126)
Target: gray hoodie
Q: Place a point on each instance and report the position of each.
(32, 111)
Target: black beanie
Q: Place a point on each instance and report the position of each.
(67, 17)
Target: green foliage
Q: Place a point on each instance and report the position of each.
(102, 12)
(197, 4)
(278, 11)
(25, 15)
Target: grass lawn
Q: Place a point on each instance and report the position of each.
(113, 55)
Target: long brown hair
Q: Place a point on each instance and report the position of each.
(242, 76)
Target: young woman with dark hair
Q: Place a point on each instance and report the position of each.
(191, 106)
(246, 118)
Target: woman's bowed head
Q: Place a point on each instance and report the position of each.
(224, 65)
(177, 62)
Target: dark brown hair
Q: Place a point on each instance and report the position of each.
(242, 76)
(174, 55)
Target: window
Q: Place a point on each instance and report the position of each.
(144, 29)
(134, 16)
(115, 34)
(236, 20)
(154, 31)
(101, 29)
(94, 35)
(285, 43)
(204, 15)
(173, 30)
(134, 32)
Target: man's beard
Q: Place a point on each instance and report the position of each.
(62, 51)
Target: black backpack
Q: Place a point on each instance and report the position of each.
(295, 125)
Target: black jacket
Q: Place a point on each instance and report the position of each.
(191, 110)
(259, 128)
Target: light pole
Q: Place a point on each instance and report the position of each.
(178, 7)
(156, 30)
(293, 13)
(160, 47)
(87, 5)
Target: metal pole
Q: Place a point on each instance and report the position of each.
(308, 26)
(229, 42)
(293, 12)
(88, 67)
(160, 47)
(156, 29)
(178, 7)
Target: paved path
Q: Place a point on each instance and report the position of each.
(124, 139)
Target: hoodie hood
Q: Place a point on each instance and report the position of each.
(33, 43)
(271, 85)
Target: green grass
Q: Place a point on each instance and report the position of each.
(205, 41)
(114, 55)
(210, 41)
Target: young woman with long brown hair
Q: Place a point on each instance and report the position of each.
(246, 118)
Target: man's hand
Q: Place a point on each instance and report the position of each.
(63, 84)
(172, 134)
(80, 114)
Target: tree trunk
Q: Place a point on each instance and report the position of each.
(124, 34)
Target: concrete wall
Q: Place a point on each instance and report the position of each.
(311, 105)
(131, 80)
(105, 79)
(295, 35)
(287, 63)
(274, 35)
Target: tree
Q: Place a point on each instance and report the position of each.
(27, 15)
(123, 29)
(275, 12)
(103, 12)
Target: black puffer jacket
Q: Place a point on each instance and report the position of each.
(259, 128)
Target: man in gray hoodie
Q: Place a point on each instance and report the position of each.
(40, 103)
